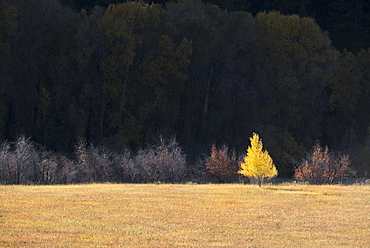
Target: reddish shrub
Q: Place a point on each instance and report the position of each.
(222, 164)
(322, 167)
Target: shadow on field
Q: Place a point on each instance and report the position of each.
(283, 189)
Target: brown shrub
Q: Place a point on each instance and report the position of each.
(322, 167)
(222, 164)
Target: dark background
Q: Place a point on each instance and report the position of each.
(206, 74)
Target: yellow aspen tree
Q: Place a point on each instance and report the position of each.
(258, 165)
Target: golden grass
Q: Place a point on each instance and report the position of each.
(142, 215)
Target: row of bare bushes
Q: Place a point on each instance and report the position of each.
(23, 162)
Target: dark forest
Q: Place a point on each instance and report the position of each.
(122, 75)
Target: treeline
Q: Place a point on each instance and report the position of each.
(347, 21)
(122, 75)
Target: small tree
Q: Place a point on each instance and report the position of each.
(221, 164)
(322, 167)
(258, 165)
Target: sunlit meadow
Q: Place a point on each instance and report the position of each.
(170, 215)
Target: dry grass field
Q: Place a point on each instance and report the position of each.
(169, 215)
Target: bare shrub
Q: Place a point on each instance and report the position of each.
(94, 164)
(222, 163)
(144, 163)
(68, 172)
(129, 172)
(48, 169)
(83, 169)
(19, 162)
(322, 167)
(197, 171)
(164, 162)
(24, 162)
(5, 165)
(102, 162)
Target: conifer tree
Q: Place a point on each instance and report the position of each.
(258, 165)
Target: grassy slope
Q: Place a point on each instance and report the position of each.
(106, 215)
